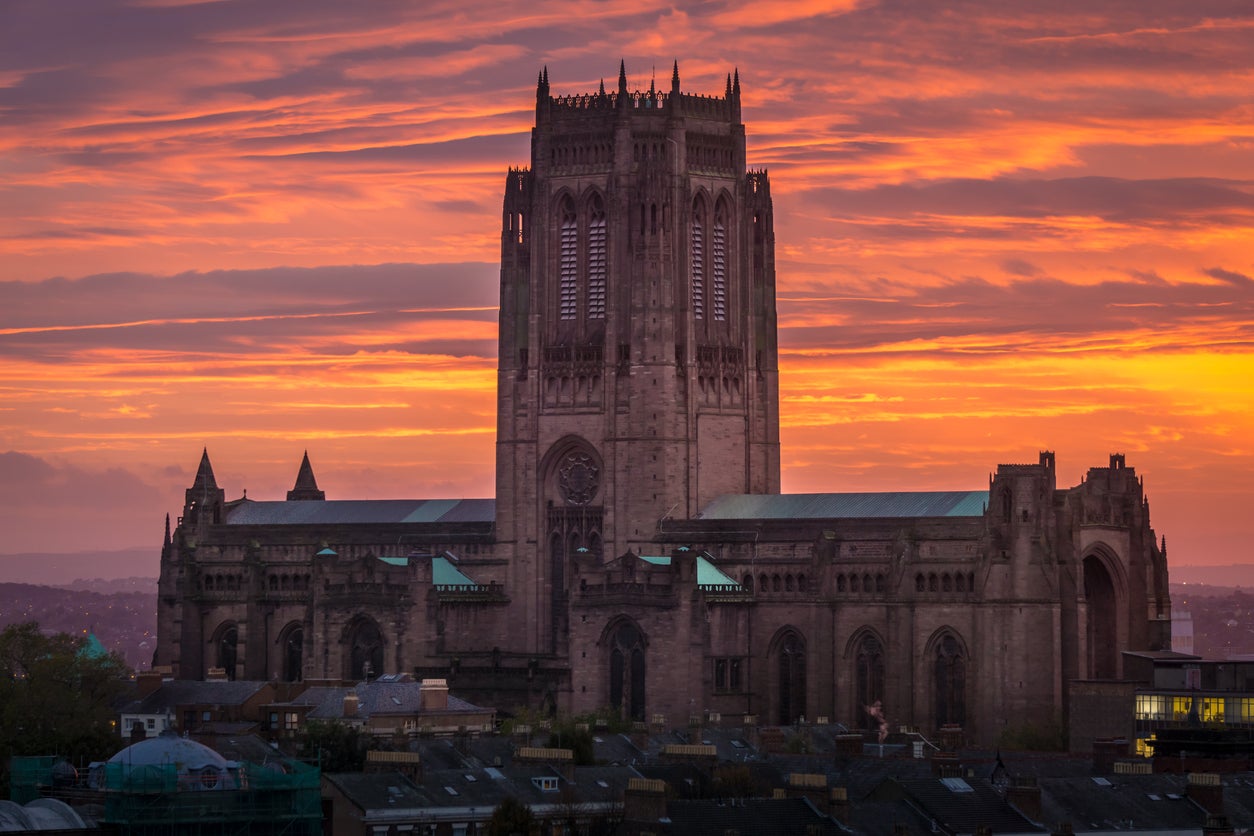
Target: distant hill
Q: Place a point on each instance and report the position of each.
(1232, 576)
(56, 569)
(125, 622)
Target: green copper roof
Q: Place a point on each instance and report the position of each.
(444, 573)
(92, 648)
(708, 574)
(846, 505)
(396, 561)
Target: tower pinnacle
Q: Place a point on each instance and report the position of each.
(204, 473)
(306, 487)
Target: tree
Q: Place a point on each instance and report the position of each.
(56, 698)
(336, 747)
(511, 818)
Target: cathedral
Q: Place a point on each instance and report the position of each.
(638, 556)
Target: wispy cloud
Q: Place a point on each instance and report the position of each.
(996, 229)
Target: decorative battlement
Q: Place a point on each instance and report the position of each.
(653, 100)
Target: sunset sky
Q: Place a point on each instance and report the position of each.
(266, 227)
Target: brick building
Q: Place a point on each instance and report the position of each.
(638, 553)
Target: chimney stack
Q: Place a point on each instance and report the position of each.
(434, 695)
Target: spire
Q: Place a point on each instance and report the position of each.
(729, 89)
(736, 83)
(622, 76)
(204, 496)
(601, 92)
(204, 474)
(167, 530)
(675, 78)
(545, 75)
(306, 487)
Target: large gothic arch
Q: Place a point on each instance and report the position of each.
(363, 648)
(865, 661)
(787, 668)
(224, 647)
(1105, 596)
(572, 498)
(948, 672)
(289, 652)
(624, 645)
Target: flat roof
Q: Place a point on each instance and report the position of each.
(894, 504)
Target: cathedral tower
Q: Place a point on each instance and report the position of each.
(638, 357)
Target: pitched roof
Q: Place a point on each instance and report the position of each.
(176, 692)
(961, 805)
(708, 575)
(847, 505)
(759, 816)
(362, 512)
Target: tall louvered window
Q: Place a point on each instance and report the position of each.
(698, 262)
(568, 264)
(596, 260)
(720, 265)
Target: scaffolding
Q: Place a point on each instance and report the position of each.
(147, 800)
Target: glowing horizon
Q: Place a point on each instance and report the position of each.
(270, 228)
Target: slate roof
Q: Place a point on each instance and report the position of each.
(375, 697)
(176, 692)
(480, 788)
(730, 507)
(959, 810)
(361, 512)
(846, 505)
(761, 817)
(1120, 802)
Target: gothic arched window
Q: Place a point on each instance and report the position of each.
(698, 260)
(719, 265)
(227, 648)
(292, 648)
(596, 259)
(792, 678)
(869, 676)
(364, 658)
(950, 682)
(627, 672)
(568, 261)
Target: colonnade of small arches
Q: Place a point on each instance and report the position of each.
(288, 583)
(766, 584)
(222, 582)
(944, 582)
(865, 583)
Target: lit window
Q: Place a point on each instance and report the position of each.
(1151, 707)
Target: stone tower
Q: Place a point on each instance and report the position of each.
(638, 356)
